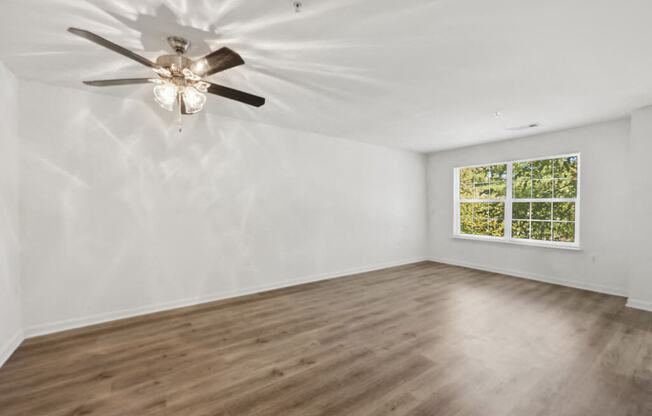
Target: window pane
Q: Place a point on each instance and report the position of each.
(521, 171)
(541, 211)
(542, 169)
(482, 174)
(466, 175)
(566, 167)
(542, 189)
(521, 229)
(563, 211)
(466, 209)
(481, 210)
(480, 226)
(565, 188)
(542, 180)
(541, 230)
(497, 210)
(496, 228)
(466, 191)
(498, 173)
(522, 190)
(521, 210)
(466, 225)
(482, 191)
(563, 231)
(498, 190)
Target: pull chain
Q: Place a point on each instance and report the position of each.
(180, 122)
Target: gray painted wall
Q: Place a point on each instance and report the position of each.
(640, 252)
(10, 307)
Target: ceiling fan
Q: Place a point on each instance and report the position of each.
(179, 80)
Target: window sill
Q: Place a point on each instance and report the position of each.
(531, 243)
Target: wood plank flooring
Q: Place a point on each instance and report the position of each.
(424, 339)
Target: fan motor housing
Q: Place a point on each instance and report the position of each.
(178, 44)
(179, 61)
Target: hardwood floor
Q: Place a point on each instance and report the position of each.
(425, 339)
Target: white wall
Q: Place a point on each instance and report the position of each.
(10, 308)
(602, 263)
(120, 214)
(640, 274)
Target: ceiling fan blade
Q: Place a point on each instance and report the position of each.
(110, 45)
(217, 61)
(236, 95)
(114, 82)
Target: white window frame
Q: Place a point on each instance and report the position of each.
(507, 238)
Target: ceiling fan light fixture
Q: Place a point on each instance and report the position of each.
(166, 95)
(193, 100)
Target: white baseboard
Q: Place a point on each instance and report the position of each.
(52, 327)
(11, 346)
(535, 276)
(639, 304)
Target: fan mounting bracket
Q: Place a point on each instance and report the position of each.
(178, 44)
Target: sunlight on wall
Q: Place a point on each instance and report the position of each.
(121, 211)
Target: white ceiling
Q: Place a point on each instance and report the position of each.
(416, 74)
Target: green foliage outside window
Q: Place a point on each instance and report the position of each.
(544, 221)
(563, 211)
(521, 210)
(521, 229)
(544, 179)
(551, 178)
(547, 180)
(483, 183)
(563, 231)
(482, 218)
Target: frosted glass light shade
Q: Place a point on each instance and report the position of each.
(193, 99)
(189, 75)
(166, 95)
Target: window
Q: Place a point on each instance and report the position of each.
(529, 201)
